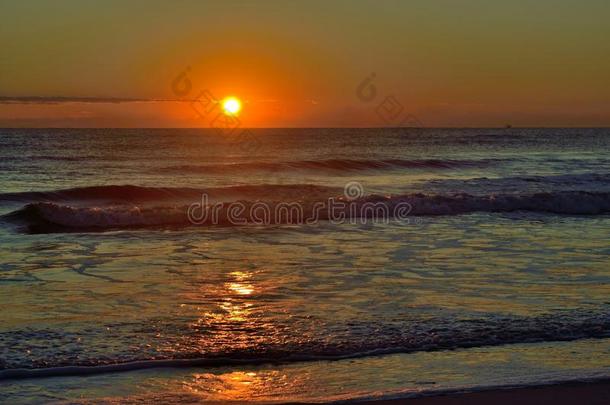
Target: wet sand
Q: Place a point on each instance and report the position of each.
(591, 393)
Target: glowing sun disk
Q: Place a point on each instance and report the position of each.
(231, 105)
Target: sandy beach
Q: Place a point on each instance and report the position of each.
(592, 393)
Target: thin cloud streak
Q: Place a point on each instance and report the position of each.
(62, 100)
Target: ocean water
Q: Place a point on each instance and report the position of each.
(453, 259)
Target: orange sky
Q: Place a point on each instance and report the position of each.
(535, 63)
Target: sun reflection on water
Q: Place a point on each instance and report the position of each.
(239, 285)
(230, 314)
(226, 318)
(240, 385)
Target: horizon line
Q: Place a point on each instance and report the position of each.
(332, 127)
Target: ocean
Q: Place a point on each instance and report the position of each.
(300, 264)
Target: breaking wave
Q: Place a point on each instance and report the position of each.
(130, 193)
(45, 216)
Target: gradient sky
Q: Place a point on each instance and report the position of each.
(298, 64)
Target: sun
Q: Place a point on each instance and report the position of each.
(231, 105)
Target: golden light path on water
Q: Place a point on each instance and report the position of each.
(230, 307)
(232, 311)
(240, 286)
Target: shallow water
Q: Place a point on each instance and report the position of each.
(374, 377)
(502, 255)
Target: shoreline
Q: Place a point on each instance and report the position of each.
(596, 392)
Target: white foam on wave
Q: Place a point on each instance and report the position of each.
(257, 212)
(109, 217)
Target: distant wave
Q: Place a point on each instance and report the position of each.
(130, 193)
(335, 165)
(110, 192)
(140, 194)
(448, 335)
(587, 181)
(46, 216)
